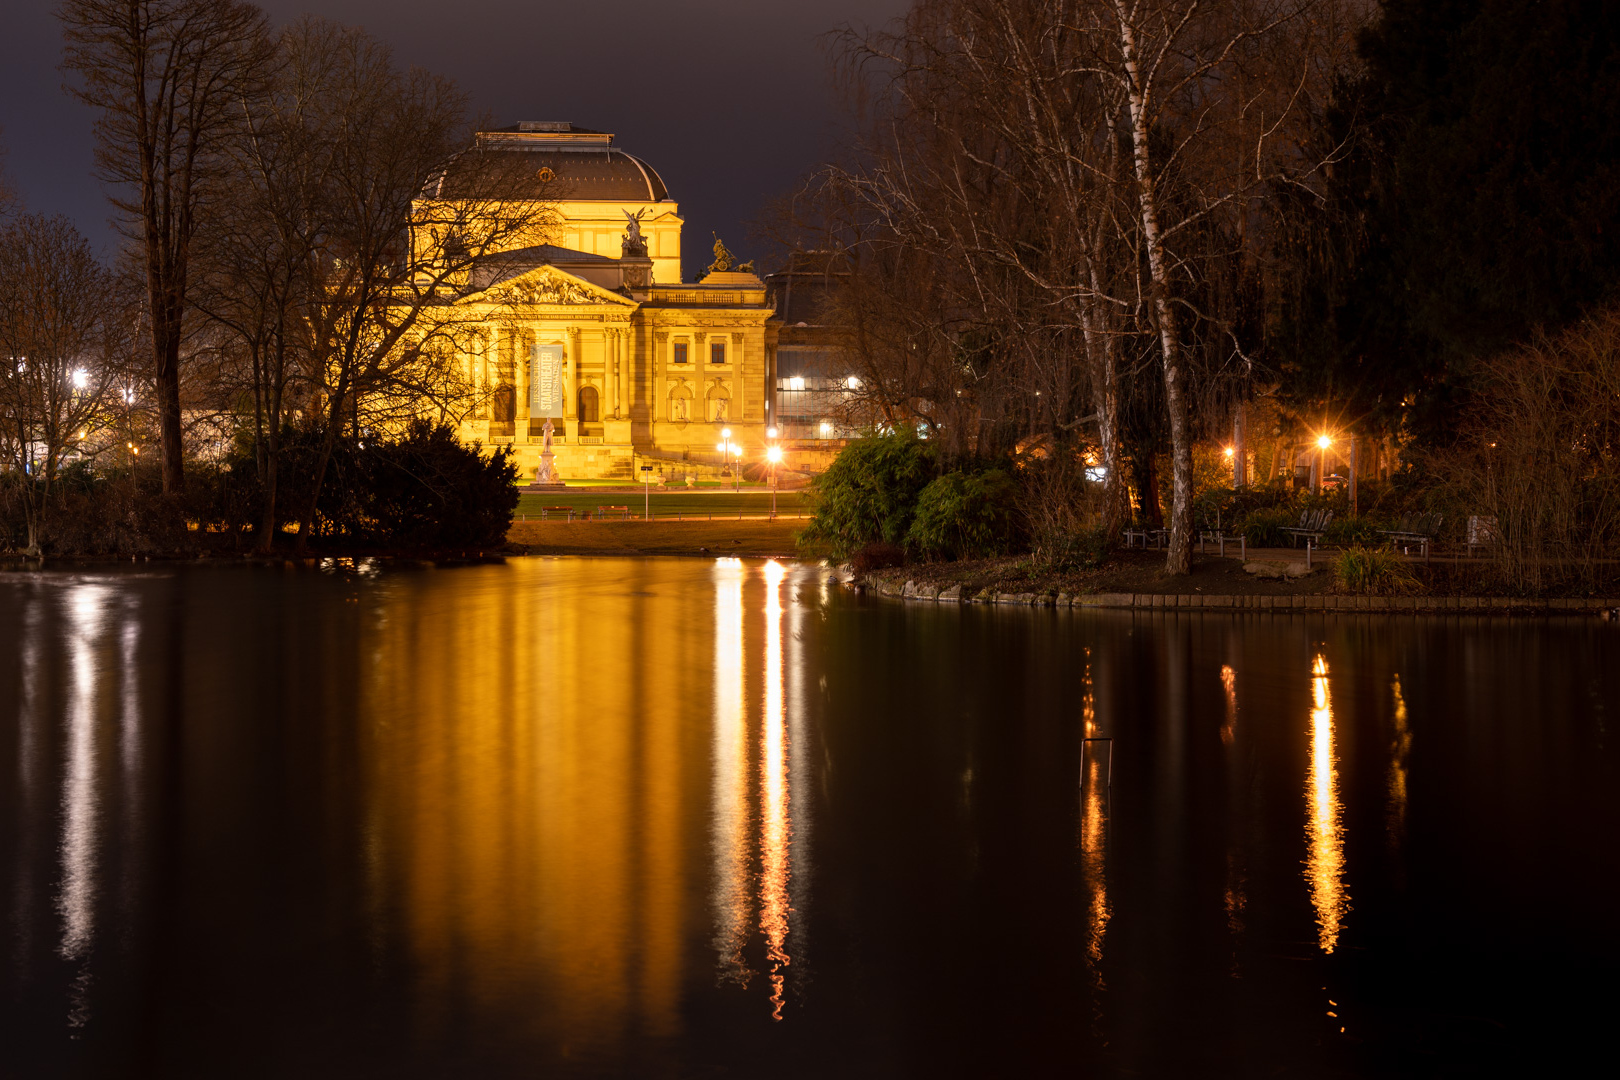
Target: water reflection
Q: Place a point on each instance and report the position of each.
(729, 798)
(1094, 825)
(80, 799)
(1324, 865)
(775, 827)
(1399, 752)
(1229, 684)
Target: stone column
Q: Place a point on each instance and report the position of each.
(571, 375)
(523, 351)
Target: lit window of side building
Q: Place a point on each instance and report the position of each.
(815, 387)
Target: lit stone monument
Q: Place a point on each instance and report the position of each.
(546, 399)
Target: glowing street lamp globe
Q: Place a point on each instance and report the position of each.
(1324, 442)
(774, 454)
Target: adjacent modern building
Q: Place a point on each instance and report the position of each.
(815, 386)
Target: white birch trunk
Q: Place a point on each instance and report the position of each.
(1178, 560)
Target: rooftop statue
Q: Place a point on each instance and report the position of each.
(634, 244)
(723, 259)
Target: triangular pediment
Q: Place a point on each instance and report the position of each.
(547, 285)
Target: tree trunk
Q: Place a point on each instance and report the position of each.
(167, 318)
(1147, 490)
(1178, 559)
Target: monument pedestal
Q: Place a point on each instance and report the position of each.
(546, 479)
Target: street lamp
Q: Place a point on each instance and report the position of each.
(1322, 442)
(725, 450)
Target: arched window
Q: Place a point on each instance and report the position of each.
(589, 412)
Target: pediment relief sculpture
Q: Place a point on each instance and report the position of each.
(548, 291)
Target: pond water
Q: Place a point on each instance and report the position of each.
(608, 817)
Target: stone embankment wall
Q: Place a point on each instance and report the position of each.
(1475, 605)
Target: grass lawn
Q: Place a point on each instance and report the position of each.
(750, 537)
(687, 503)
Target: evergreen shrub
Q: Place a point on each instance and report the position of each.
(964, 515)
(869, 495)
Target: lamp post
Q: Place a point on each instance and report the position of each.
(1322, 443)
(726, 455)
(773, 454)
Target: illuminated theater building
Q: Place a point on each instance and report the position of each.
(653, 369)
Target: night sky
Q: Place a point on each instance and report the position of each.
(730, 100)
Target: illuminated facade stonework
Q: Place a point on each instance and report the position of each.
(653, 369)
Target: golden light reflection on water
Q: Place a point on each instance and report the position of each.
(534, 772)
(1229, 684)
(1400, 752)
(776, 828)
(1324, 865)
(1094, 825)
(551, 764)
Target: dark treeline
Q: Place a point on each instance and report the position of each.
(282, 293)
(1130, 232)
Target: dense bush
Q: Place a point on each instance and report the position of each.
(424, 491)
(1352, 531)
(1059, 508)
(1083, 550)
(428, 490)
(1264, 528)
(878, 556)
(1374, 572)
(964, 515)
(869, 495)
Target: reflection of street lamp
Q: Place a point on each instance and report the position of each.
(1322, 442)
(773, 454)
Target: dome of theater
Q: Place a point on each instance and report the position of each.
(552, 160)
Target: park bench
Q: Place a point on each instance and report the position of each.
(605, 512)
(1220, 538)
(1417, 530)
(1312, 524)
(567, 512)
(1157, 536)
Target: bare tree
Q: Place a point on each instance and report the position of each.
(168, 77)
(411, 205)
(63, 337)
(259, 255)
(1093, 173)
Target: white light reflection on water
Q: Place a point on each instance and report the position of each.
(1324, 865)
(775, 825)
(81, 811)
(80, 803)
(729, 811)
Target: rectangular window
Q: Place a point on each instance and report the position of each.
(717, 352)
(680, 352)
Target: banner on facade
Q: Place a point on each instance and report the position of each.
(546, 382)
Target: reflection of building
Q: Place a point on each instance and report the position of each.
(813, 376)
(650, 365)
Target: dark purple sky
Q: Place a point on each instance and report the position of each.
(729, 99)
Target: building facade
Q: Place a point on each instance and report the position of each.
(653, 369)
